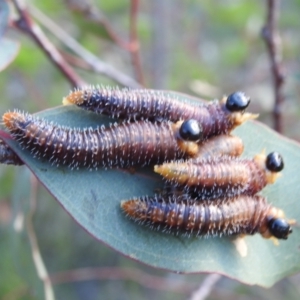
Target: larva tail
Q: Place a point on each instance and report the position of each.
(173, 171)
(76, 97)
(11, 120)
(134, 209)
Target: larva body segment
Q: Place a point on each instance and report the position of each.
(216, 117)
(7, 156)
(122, 145)
(230, 216)
(219, 176)
(221, 145)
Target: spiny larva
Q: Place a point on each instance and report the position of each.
(230, 216)
(216, 117)
(121, 145)
(224, 175)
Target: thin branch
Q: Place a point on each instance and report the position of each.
(135, 52)
(27, 25)
(206, 287)
(36, 254)
(272, 39)
(144, 279)
(93, 14)
(96, 64)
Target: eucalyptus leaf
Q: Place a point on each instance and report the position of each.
(93, 198)
(8, 51)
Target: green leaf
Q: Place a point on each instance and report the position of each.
(9, 50)
(93, 200)
(4, 13)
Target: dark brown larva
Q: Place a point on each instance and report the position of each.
(216, 117)
(223, 175)
(122, 145)
(230, 216)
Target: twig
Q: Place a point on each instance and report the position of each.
(135, 52)
(93, 14)
(96, 64)
(36, 255)
(206, 287)
(27, 25)
(272, 39)
(144, 279)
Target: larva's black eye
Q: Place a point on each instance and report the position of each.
(274, 162)
(190, 130)
(237, 101)
(279, 228)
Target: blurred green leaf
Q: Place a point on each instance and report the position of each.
(8, 51)
(29, 59)
(4, 12)
(93, 200)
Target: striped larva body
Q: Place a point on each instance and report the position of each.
(121, 145)
(227, 216)
(223, 175)
(216, 117)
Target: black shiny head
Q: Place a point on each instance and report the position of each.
(279, 228)
(237, 101)
(190, 130)
(274, 162)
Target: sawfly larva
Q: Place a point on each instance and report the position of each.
(230, 216)
(216, 117)
(121, 145)
(223, 175)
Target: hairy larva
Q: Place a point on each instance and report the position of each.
(224, 175)
(122, 145)
(230, 216)
(216, 117)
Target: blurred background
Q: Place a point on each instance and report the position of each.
(206, 49)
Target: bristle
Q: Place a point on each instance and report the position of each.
(10, 119)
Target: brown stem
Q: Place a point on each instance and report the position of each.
(92, 60)
(135, 52)
(273, 42)
(36, 254)
(206, 287)
(93, 14)
(104, 273)
(27, 25)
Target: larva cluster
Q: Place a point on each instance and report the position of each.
(212, 191)
(227, 216)
(215, 118)
(121, 145)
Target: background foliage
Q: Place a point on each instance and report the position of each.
(184, 46)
